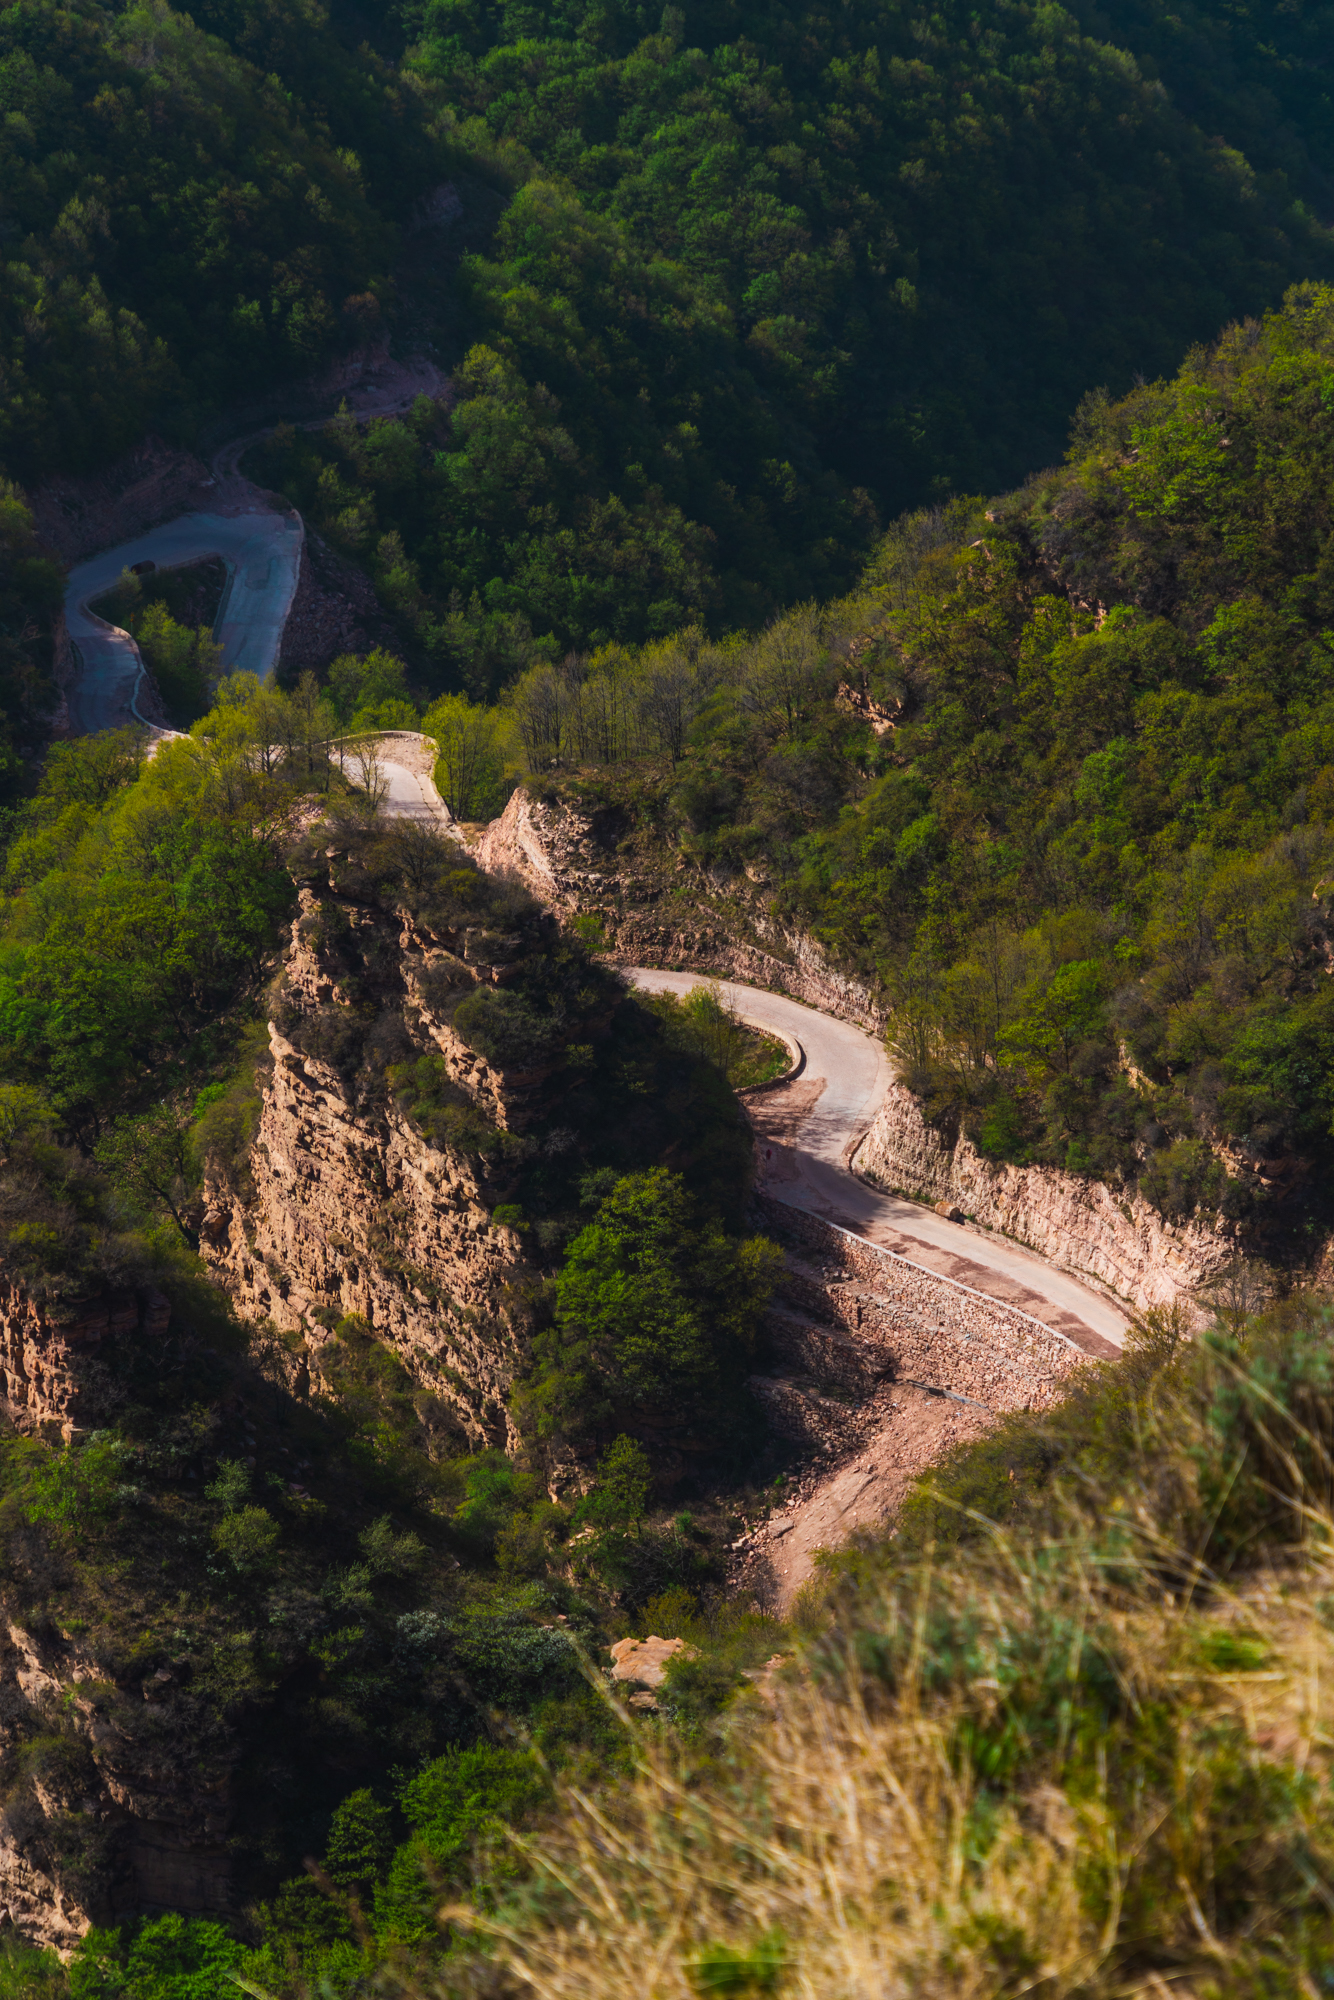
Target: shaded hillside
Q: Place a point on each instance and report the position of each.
(737, 285)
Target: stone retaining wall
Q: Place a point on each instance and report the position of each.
(936, 1332)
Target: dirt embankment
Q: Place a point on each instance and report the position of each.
(78, 515)
(654, 912)
(335, 611)
(877, 1367)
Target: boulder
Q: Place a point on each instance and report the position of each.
(643, 1662)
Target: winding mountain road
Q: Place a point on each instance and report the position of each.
(809, 1131)
(262, 551)
(406, 760)
(260, 544)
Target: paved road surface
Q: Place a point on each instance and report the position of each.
(407, 764)
(828, 1110)
(261, 547)
(262, 551)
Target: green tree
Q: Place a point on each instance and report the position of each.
(469, 769)
(461, 1802)
(247, 1540)
(656, 1315)
(149, 1157)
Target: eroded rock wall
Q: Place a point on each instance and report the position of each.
(1113, 1237)
(49, 1352)
(570, 859)
(115, 1806)
(349, 1210)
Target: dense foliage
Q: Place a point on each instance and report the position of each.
(181, 229)
(291, 1575)
(142, 901)
(657, 1317)
(733, 281)
(30, 594)
(1057, 780)
(928, 234)
(768, 273)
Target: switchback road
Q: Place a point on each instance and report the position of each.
(262, 551)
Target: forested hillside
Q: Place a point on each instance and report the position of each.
(178, 226)
(741, 285)
(823, 505)
(300, 1591)
(1058, 780)
(768, 280)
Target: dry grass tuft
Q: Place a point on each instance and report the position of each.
(1083, 1753)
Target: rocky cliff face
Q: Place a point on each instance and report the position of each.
(112, 1805)
(655, 913)
(1084, 1226)
(347, 1208)
(49, 1353)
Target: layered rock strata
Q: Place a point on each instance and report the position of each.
(49, 1352)
(131, 1815)
(349, 1210)
(1113, 1237)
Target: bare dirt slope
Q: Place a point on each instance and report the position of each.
(807, 1131)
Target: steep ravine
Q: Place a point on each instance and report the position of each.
(658, 911)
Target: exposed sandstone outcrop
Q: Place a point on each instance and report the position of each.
(643, 1662)
(48, 1352)
(350, 1210)
(1081, 1224)
(117, 1806)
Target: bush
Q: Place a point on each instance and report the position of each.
(656, 1316)
(458, 1808)
(247, 1541)
(80, 1486)
(506, 1028)
(166, 1958)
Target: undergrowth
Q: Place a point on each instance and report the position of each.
(1077, 1745)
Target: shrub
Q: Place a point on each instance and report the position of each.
(231, 1486)
(506, 1028)
(247, 1540)
(79, 1486)
(458, 1805)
